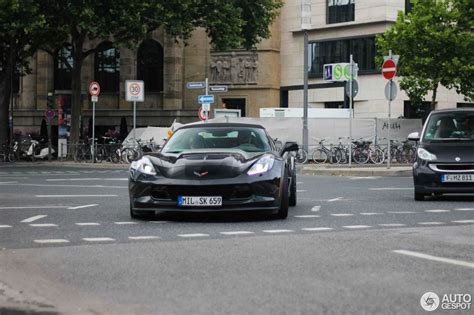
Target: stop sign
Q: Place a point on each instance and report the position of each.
(389, 69)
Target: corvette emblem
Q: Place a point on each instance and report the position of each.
(201, 174)
(458, 159)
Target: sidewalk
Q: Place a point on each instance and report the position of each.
(103, 165)
(355, 170)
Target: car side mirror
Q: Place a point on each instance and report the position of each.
(414, 136)
(289, 146)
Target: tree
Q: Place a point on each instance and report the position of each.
(229, 24)
(22, 28)
(435, 43)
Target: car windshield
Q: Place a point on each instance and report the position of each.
(236, 138)
(457, 126)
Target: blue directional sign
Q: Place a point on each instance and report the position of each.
(205, 99)
(196, 85)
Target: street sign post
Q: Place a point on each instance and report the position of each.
(218, 88)
(134, 92)
(391, 90)
(201, 114)
(205, 99)
(389, 70)
(94, 90)
(340, 72)
(196, 85)
(355, 89)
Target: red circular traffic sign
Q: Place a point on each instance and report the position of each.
(389, 69)
(134, 89)
(94, 89)
(201, 114)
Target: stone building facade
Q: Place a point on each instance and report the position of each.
(270, 76)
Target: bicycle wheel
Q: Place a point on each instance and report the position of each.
(319, 156)
(100, 154)
(376, 156)
(115, 156)
(360, 156)
(11, 156)
(410, 155)
(301, 157)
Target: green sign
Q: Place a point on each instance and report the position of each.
(339, 72)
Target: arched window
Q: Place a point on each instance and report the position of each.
(150, 65)
(107, 67)
(63, 63)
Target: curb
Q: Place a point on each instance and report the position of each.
(363, 172)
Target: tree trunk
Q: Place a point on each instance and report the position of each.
(5, 94)
(433, 98)
(76, 93)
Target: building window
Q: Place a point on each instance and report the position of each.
(107, 67)
(465, 105)
(339, 11)
(363, 51)
(337, 105)
(408, 6)
(63, 63)
(150, 65)
(422, 111)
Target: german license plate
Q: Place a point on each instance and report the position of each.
(457, 178)
(205, 201)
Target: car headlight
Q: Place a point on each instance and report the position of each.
(425, 155)
(263, 165)
(143, 166)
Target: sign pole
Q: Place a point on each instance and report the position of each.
(93, 132)
(207, 93)
(134, 121)
(350, 109)
(305, 93)
(389, 117)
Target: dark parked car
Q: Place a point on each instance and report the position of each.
(445, 155)
(215, 167)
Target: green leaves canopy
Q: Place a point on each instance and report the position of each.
(435, 43)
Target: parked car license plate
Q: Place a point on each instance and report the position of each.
(458, 178)
(204, 201)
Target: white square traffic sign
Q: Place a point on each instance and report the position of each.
(134, 91)
(206, 107)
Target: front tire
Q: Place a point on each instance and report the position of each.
(419, 196)
(285, 200)
(293, 198)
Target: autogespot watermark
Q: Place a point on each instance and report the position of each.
(430, 301)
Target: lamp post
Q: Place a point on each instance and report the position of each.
(305, 26)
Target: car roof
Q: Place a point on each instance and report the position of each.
(453, 110)
(221, 125)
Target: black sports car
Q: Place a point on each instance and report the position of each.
(445, 155)
(215, 167)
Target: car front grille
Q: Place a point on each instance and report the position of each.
(453, 168)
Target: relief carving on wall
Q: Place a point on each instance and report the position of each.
(235, 68)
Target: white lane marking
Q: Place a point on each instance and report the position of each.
(367, 177)
(316, 208)
(158, 222)
(307, 216)
(87, 224)
(317, 229)
(85, 179)
(193, 235)
(237, 233)
(391, 188)
(371, 213)
(34, 207)
(8, 183)
(36, 217)
(72, 196)
(335, 199)
(43, 225)
(430, 223)
(463, 221)
(301, 191)
(342, 214)
(143, 237)
(125, 223)
(299, 183)
(98, 239)
(437, 211)
(5, 226)
(51, 241)
(435, 258)
(464, 209)
(72, 186)
(401, 212)
(392, 224)
(356, 226)
(82, 207)
(278, 231)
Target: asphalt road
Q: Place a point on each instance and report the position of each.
(353, 245)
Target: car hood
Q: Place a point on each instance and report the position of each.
(448, 152)
(203, 165)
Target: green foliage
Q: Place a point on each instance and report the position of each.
(435, 43)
